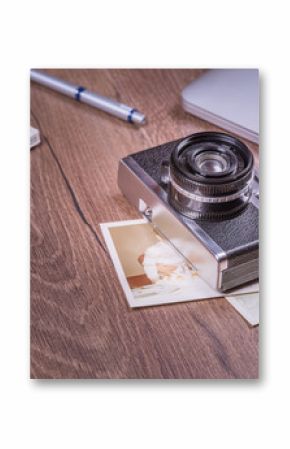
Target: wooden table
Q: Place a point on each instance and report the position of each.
(81, 325)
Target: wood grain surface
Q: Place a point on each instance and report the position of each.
(81, 325)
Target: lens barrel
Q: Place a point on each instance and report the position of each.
(210, 176)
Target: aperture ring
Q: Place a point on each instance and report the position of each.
(211, 199)
(206, 189)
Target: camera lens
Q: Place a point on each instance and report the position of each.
(210, 163)
(210, 176)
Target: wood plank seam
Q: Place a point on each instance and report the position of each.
(75, 201)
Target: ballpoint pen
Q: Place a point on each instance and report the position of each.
(84, 95)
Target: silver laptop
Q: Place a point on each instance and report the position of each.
(228, 98)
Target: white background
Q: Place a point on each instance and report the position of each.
(161, 414)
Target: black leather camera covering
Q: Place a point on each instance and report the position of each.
(236, 236)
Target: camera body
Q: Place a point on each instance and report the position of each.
(223, 248)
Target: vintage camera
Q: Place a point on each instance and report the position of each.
(201, 193)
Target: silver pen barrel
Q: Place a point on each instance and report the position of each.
(93, 99)
(54, 83)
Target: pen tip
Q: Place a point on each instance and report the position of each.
(138, 118)
(143, 121)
